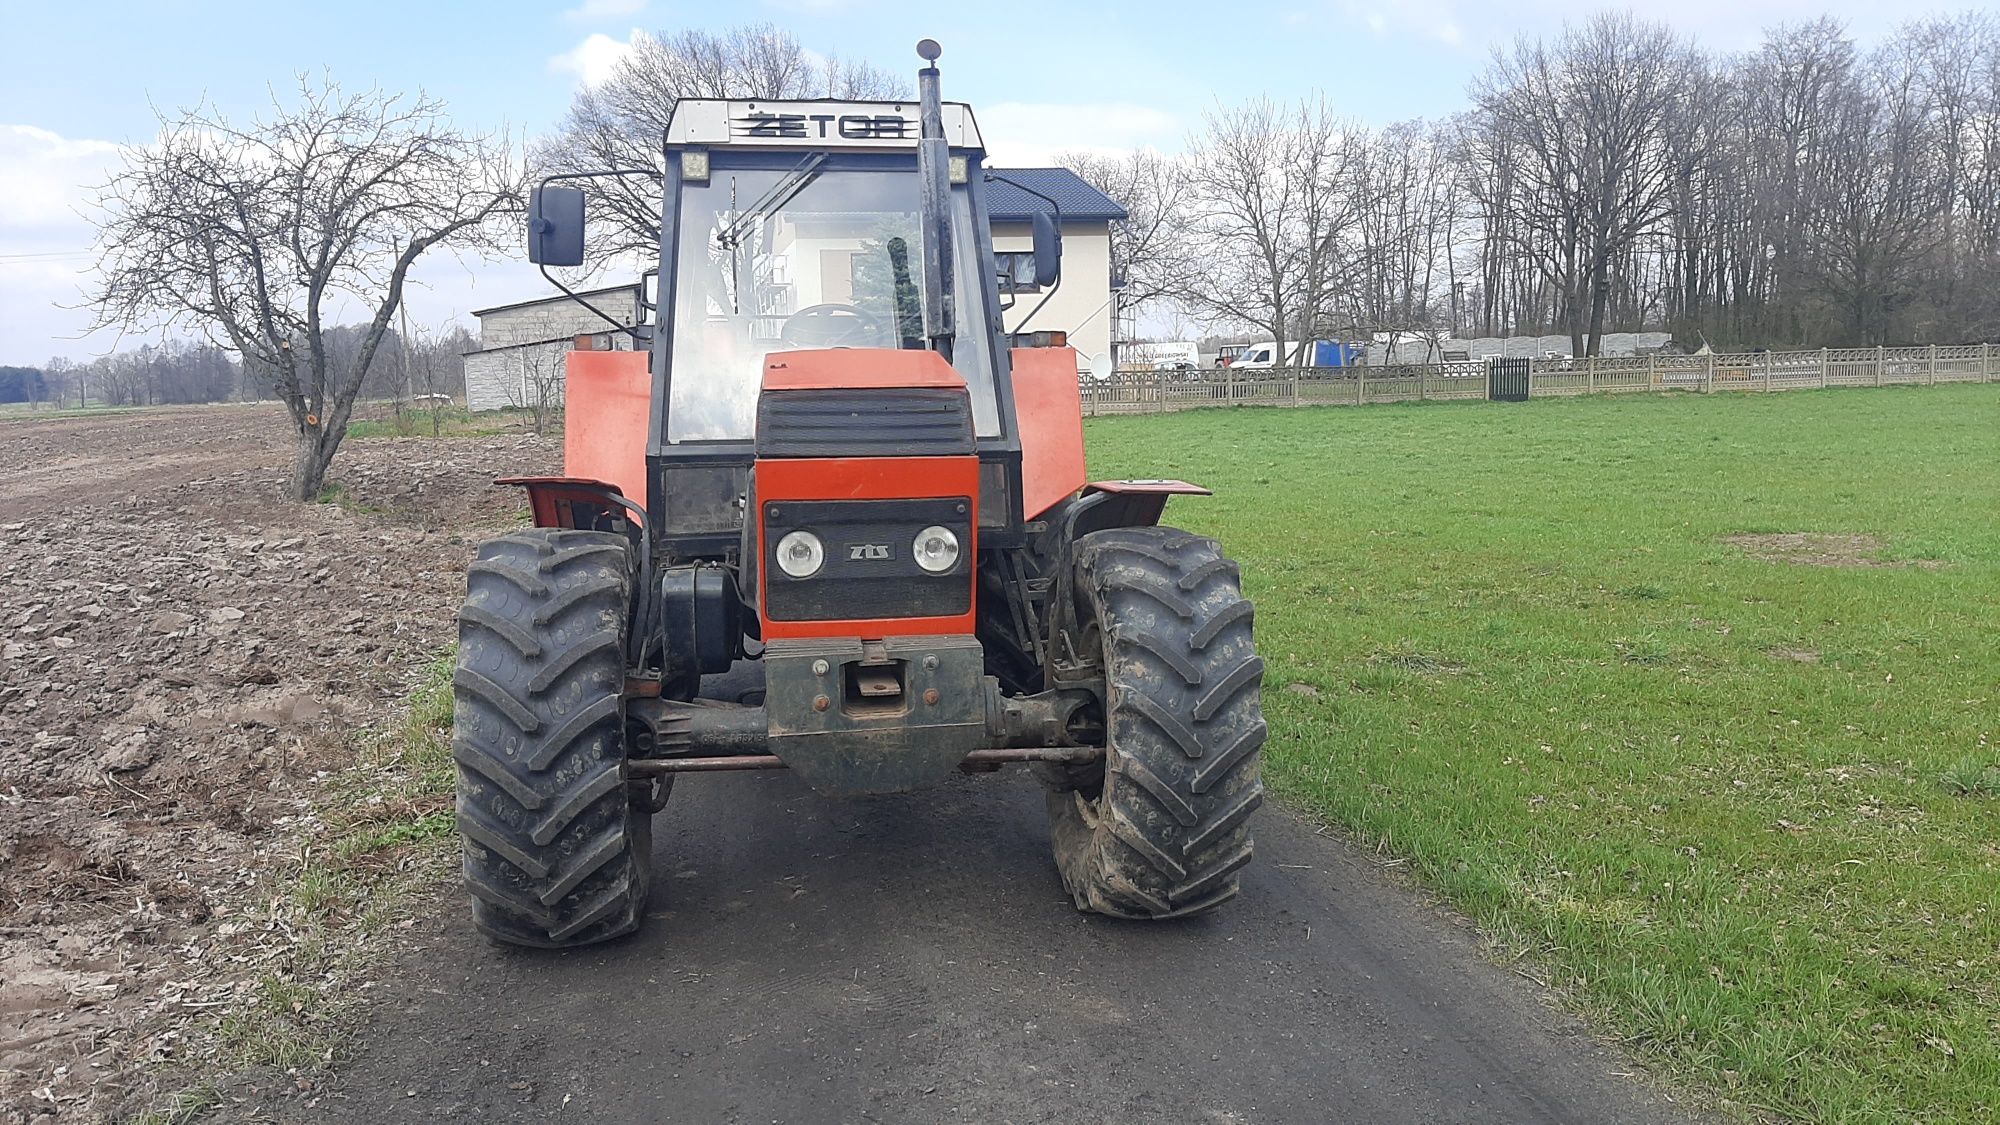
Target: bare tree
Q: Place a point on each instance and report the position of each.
(1885, 206)
(259, 234)
(539, 390)
(1406, 192)
(619, 123)
(1585, 119)
(1272, 207)
(1153, 189)
(64, 379)
(436, 371)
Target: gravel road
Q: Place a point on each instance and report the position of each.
(914, 959)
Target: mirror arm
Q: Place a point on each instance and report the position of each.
(631, 330)
(1057, 208)
(628, 329)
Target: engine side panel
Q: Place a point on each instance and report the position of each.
(1050, 408)
(607, 405)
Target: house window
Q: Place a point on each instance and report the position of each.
(1017, 271)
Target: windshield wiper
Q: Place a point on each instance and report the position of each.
(781, 193)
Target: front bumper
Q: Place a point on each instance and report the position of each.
(824, 723)
(855, 717)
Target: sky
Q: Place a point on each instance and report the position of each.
(83, 79)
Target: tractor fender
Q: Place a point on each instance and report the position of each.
(585, 504)
(574, 502)
(1099, 506)
(1124, 503)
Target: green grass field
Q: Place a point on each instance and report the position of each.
(1741, 806)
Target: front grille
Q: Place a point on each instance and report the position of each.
(863, 589)
(903, 422)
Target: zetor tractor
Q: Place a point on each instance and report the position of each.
(824, 456)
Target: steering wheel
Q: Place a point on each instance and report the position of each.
(834, 325)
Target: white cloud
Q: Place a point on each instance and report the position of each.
(1430, 19)
(45, 240)
(43, 174)
(593, 60)
(598, 11)
(1032, 133)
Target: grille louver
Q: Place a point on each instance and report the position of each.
(908, 422)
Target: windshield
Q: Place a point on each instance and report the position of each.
(800, 256)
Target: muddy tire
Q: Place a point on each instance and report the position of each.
(556, 853)
(1162, 830)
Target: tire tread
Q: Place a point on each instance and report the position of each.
(1167, 833)
(555, 854)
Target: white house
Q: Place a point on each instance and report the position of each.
(522, 344)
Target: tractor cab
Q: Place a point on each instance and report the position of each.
(801, 226)
(824, 457)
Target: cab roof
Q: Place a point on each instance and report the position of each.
(826, 123)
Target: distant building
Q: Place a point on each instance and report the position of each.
(522, 345)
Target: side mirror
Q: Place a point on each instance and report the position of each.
(555, 226)
(1048, 249)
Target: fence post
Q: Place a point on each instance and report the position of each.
(1881, 361)
(1767, 371)
(1986, 361)
(1423, 376)
(1229, 381)
(1708, 378)
(1295, 387)
(1652, 372)
(1360, 387)
(1822, 368)
(1590, 375)
(1930, 367)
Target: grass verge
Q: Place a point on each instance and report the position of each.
(1739, 805)
(455, 421)
(339, 496)
(382, 832)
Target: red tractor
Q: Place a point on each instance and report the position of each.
(822, 455)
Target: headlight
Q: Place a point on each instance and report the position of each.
(800, 554)
(936, 549)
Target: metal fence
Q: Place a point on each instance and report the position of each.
(1145, 392)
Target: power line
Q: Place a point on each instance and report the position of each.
(46, 255)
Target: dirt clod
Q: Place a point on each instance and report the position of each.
(184, 653)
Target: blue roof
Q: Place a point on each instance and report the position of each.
(1077, 199)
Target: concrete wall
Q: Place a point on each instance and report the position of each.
(513, 369)
(1082, 304)
(1416, 349)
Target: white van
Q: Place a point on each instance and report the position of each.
(1263, 357)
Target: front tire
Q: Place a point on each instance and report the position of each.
(556, 853)
(1161, 830)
